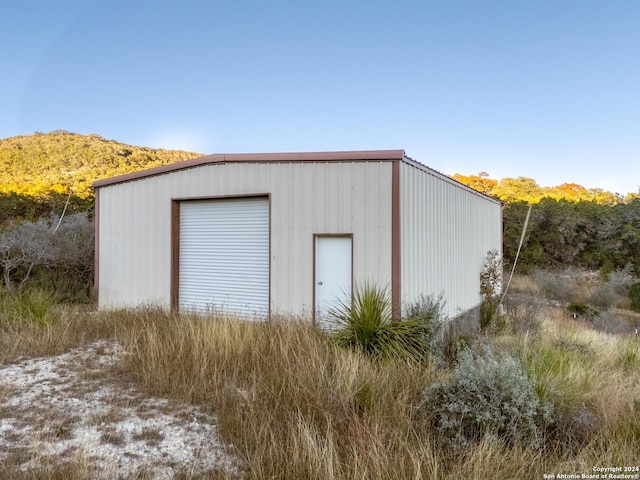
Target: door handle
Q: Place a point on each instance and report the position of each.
(320, 282)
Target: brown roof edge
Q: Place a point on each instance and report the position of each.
(356, 155)
(447, 178)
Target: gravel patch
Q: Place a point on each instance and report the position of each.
(70, 406)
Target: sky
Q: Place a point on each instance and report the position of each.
(545, 89)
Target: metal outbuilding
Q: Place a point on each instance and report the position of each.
(288, 233)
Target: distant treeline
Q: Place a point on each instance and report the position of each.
(583, 234)
(511, 190)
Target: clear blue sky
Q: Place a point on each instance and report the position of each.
(547, 89)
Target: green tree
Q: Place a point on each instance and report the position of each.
(481, 182)
(518, 189)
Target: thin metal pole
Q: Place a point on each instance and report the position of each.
(63, 212)
(515, 261)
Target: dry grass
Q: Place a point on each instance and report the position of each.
(46, 467)
(524, 284)
(296, 407)
(63, 406)
(71, 326)
(593, 381)
(293, 404)
(605, 293)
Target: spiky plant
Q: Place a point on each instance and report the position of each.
(364, 322)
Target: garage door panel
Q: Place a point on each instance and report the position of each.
(224, 256)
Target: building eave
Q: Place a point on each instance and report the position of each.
(221, 158)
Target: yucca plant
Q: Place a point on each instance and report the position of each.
(364, 322)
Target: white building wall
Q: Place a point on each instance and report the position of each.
(446, 232)
(306, 198)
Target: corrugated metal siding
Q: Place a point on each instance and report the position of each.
(224, 256)
(446, 232)
(306, 198)
(133, 237)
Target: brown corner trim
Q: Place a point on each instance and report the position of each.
(269, 247)
(96, 251)
(396, 257)
(175, 254)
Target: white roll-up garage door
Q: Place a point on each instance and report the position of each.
(224, 256)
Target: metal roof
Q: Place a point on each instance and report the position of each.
(337, 156)
(220, 158)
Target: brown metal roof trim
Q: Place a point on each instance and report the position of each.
(350, 156)
(449, 179)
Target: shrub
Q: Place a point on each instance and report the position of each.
(614, 322)
(24, 246)
(455, 343)
(620, 281)
(460, 333)
(563, 288)
(634, 296)
(71, 273)
(490, 289)
(603, 297)
(50, 253)
(486, 396)
(491, 275)
(582, 310)
(429, 312)
(523, 311)
(365, 323)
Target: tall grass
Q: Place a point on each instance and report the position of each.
(586, 375)
(294, 405)
(33, 323)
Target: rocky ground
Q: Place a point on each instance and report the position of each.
(73, 406)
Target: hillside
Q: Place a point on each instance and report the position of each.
(60, 162)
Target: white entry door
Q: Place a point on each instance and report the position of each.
(333, 274)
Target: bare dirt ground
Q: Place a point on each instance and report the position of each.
(72, 406)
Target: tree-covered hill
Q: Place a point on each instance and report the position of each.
(60, 162)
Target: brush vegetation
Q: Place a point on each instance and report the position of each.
(296, 405)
